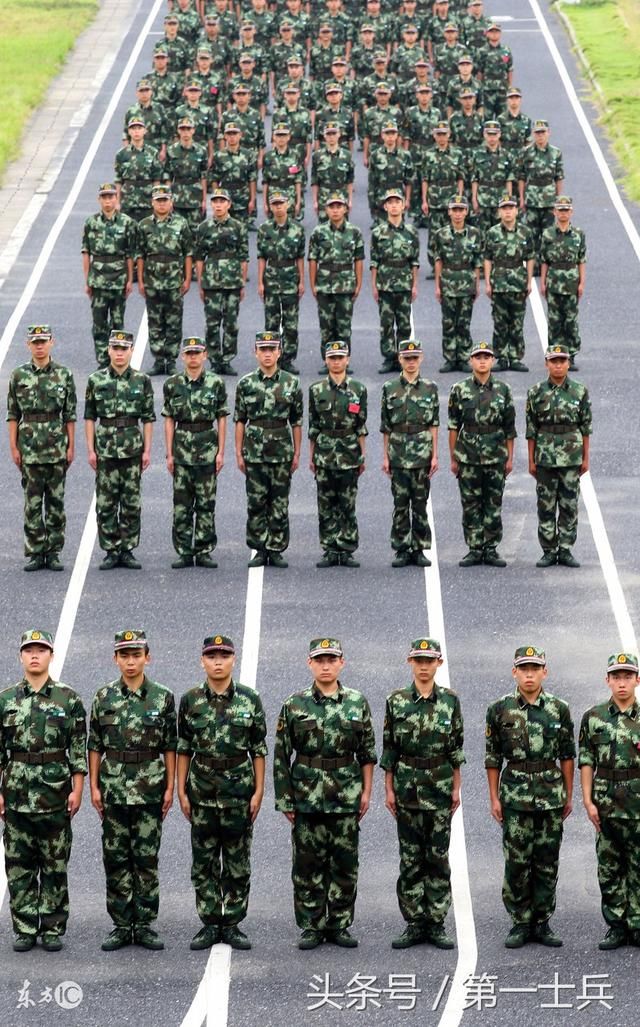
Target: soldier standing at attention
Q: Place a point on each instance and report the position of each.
(108, 252)
(563, 254)
(609, 771)
(395, 259)
(443, 173)
(221, 757)
(482, 429)
(421, 757)
(331, 168)
(324, 794)
(508, 269)
(457, 249)
(132, 764)
(137, 171)
(281, 246)
(195, 412)
(119, 398)
(409, 420)
(531, 729)
(496, 65)
(268, 418)
(41, 414)
(186, 168)
(558, 430)
(43, 764)
(540, 180)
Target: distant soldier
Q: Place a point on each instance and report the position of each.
(204, 117)
(186, 168)
(234, 170)
(252, 139)
(417, 134)
(137, 171)
(540, 181)
(508, 269)
(153, 114)
(395, 259)
(473, 28)
(282, 172)
(333, 109)
(281, 248)
(166, 84)
(442, 176)
(336, 257)
(496, 65)
(466, 126)
(563, 255)
(515, 126)
(492, 175)
(300, 122)
(457, 250)
(332, 169)
(390, 167)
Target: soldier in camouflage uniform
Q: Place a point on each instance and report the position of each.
(334, 110)
(299, 119)
(466, 127)
(234, 170)
(531, 730)
(558, 430)
(409, 419)
(252, 140)
(457, 249)
(337, 431)
(508, 269)
(395, 259)
(563, 255)
(332, 169)
(132, 763)
(204, 117)
(282, 172)
(417, 132)
(515, 126)
(496, 65)
(153, 115)
(166, 85)
(609, 760)
(186, 168)
(195, 412)
(481, 438)
(268, 418)
(179, 49)
(281, 246)
(492, 175)
(464, 81)
(421, 756)
(442, 175)
(42, 768)
(473, 28)
(324, 793)
(119, 398)
(375, 117)
(336, 256)
(41, 415)
(390, 167)
(137, 171)
(221, 757)
(540, 180)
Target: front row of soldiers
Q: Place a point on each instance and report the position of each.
(323, 774)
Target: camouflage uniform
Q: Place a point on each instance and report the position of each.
(540, 169)
(136, 172)
(110, 243)
(298, 120)
(336, 251)
(164, 246)
(373, 120)
(442, 171)
(282, 172)
(222, 246)
(563, 252)
(490, 170)
(417, 128)
(515, 132)
(234, 172)
(154, 116)
(250, 123)
(388, 169)
(167, 89)
(495, 63)
(461, 256)
(395, 252)
(255, 84)
(342, 115)
(466, 136)
(282, 247)
(205, 122)
(508, 252)
(473, 32)
(330, 171)
(186, 167)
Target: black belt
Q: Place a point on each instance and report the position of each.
(138, 181)
(289, 262)
(37, 758)
(132, 755)
(409, 429)
(164, 258)
(337, 433)
(220, 762)
(558, 429)
(481, 429)
(119, 422)
(609, 774)
(395, 263)
(423, 762)
(223, 255)
(267, 422)
(336, 267)
(108, 258)
(195, 426)
(514, 262)
(540, 181)
(456, 267)
(320, 763)
(564, 265)
(39, 418)
(532, 766)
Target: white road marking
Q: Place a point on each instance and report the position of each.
(11, 251)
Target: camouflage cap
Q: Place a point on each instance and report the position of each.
(618, 661)
(393, 194)
(211, 19)
(170, 19)
(332, 87)
(557, 353)
(218, 643)
(161, 192)
(264, 339)
(336, 349)
(339, 59)
(458, 202)
(474, 3)
(382, 87)
(121, 339)
(35, 332)
(160, 50)
(409, 346)
(481, 347)
(389, 126)
(291, 87)
(281, 129)
(563, 203)
(186, 122)
(286, 25)
(492, 127)
(107, 189)
(425, 647)
(467, 93)
(420, 63)
(440, 128)
(506, 200)
(135, 119)
(325, 27)
(424, 87)
(33, 637)
(294, 59)
(193, 87)
(409, 27)
(193, 344)
(204, 50)
(540, 125)
(529, 654)
(129, 640)
(230, 128)
(513, 91)
(220, 194)
(325, 647)
(367, 28)
(144, 84)
(240, 87)
(331, 126)
(246, 58)
(380, 55)
(276, 196)
(247, 24)
(336, 197)
(493, 26)
(465, 58)
(450, 27)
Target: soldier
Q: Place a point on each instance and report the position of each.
(395, 259)
(334, 110)
(249, 77)
(154, 117)
(445, 59)
(268, 418)
(558, 430)
(496, 65)
(442, 175)
(322, 53)
(324, 794)
(390, 166)
(203, 116)
(186, 168)
(473, 28)
(332, 169)
(234, 170)
(337, 431)
(508, 269)
(457, 249)
(609, 763)
(179, 50)
(282, 172)
(464, 80)
(217, 38)
(417, 134)
(119, 397)
(252, 140)
(407, 53)
(195, 412)
(132, 764)
(281, 245)
(299, 120)
(531, 729)
(563, 255)
(382, 112)
(41, 415)
(42, 769)
(492, 175)
(166, 85)
(409, 420)
(221, 756)
(481, 437)
(336, 256)
(540, 181)
(421, 758)
(210, 79)
(466, 127)
(515, 126)
(137, 171)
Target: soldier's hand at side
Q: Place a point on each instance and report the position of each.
(584, 467)
(254, 806)
(185, 806)
(301, 290)
(242, 293)
(16, 457)
(414, 294)
(70, 455)
(128, 289)
(385, 465)
(184, 288)
(291, 817)
(454, 467)
(167, 801)
(295, 463)
(261, 291)
(508, 467)
(1, 808)
(435, 466)
(477, 290)
(146, 459)
(96, 802)
(567, 809)
(93, 459)
(73, 803)
(374, 293)
(488, 289)
(365, 800)
(201, 291)
(532, 469)
(219, 462)
(438, 293)
(241, 464)
(543, 289)
(455, 799)
(362, 468)
(170, 464)
(580, 291)
(312, 467)
(425, 208)
(592, 813)
(496, 810)
(89, 290)
(390, 802)
(141, 290)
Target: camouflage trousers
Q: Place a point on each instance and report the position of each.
(268, 486)
(508, 310)
(537, 219)
(325, 870)
(107, 312)
(194, 509)
(531, 848)
(494, 102)
(37, 847)
(481, 488)
(44, 516)
(130, 845)
(410, 530)
(221, 313)
(335, 314)
(562, 320)
(424, 883)
(484, 219)
(438, 218)
(164, 314)
(281, 312)
(221, 868)
(558, 492)
(193, 217)
(394, 310)
(118, 503)
(618, 852)
(337, 522)
(456, 327)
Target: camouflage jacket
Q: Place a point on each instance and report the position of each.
(186, 166)
(124, 719)
(373, 120)
(191, 400)
(367, 88)
(385, 29)
(212, 86)
(558, 417)
(610, 739)
(221, 726)
(461, 256)
(251, 124)
(298, 120)
(362, 60)
(181, 54)
(308, 98)
(427, 727)
(540, 169)
(404, 59)
(466, 135)
(442, 170)
(204, 119)
(47, 390)
(281, 248)
(261, 57)
(558, 249)
(445, 62)
(106, 239)
(516, 132)
(337, 419)
(517, 730)
(52, 718)
(395, 251)
(155, 121)
(276, 399)
(389, 169)
(508, 252)
(495, 63)
(343, 117)
(417, 127)
(491, 172)
(167, 89)
(473, 33)
(321, 59)
(164, 246)
(256, 85)
(472, 409)
(222, 245)
(126, 395)
(279, 54)
(342, 27)
(265, 23)
(408, 411)
(435, 29)
(234, 172)
(331, 171)
(313, 725)
(189, 24)
(336, 250)
(137, 171)
(220, 51)
(283, 171)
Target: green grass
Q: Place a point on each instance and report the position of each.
(609, 33)
(35, 38)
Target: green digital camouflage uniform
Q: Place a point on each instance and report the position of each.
(442, 171)
(234, 173)
(222, 246)
(326, 802)
(454, 87)
(495, 63)
(335, 251)
(490, 170)
(42, 400)
(563, 252)
(508, 251)
(282, 247)
(186, 167)
(558, 418)
(330, 171)
(250, 123)
(388, 169)
(136, 172)
(253, 82)
(48, 726)
(395, 252)
(164, 246)
(461, 256)
(540, 170)
(404, 60)
(126, 398)
(473, 32)
(531, 738)
(110, 243)
(373, 120)
(212, 85)
(445, 64)
(167, 89)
